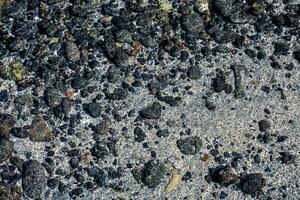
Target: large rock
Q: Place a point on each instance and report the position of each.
(34, 180)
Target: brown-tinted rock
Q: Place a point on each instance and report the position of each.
(6, 123)
(40, 131)
(6, 149)
(10, 192)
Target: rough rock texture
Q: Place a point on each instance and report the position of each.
(34, 179)
(149, 99)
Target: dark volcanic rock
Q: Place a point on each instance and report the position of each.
(252, 183)
(94, 109)
(139, 134)
(99, 175)
(6, 149)
(223, 6)
(34, 180)
(264, 125)
(99, 151)
(117, 94)
(10, 192)
(224, 175)
(151, 112)
(194, 72)
(6, 123)
(192, 22)
(190, 145)
(153, 173)
(287, 158)
(52, 97)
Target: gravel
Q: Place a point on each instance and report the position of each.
(149, 99)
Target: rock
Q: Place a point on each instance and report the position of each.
(10, 192)
(172, 101)
(223, 6)
(163, 133)
(296, 55)
(152, 111)
(190, 145)
(94, 109)
(34, 180)
(210, 105)
(20, 132)
(118, 94)
(264, 125)
(4, 96)
(219, 82)
(39, 131)
(239, 80)
(281, 48)
(139, 134)
(252, 183)
(287, 158)
(6, 124)
(72, 51)
(192, 22)
(99, 151)
(52, 97)
(99, 175)
(153, 173)
(6, 149)
(224, 175)
(101, 128)
(202, 6)
(194, 72)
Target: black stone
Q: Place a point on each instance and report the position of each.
(252, 183)
(99, 151)
(162, 133)
(94, 109)
(6, 149)
(52, 97)
(99, 175)
(287, 158)
(152, 111)
(153, 173)
(264, 125)
(190, 145)
(194, 72)
(139, 134)
(281, 48)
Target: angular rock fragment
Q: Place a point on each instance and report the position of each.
(6, 149)
(10, 192)
(252, 183)
(224, 175)
(190, 145)
(39, 131)
(153, 173)
(151, 112)
(239, 76)
(6, 124)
